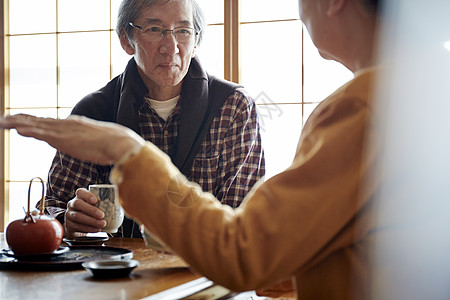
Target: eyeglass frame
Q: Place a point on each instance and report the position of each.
(164, 31)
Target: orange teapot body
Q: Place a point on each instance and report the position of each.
(43, 235)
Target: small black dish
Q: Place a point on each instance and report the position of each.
(110, 268)
(86, 240)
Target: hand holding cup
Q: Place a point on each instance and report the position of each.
(108, 202)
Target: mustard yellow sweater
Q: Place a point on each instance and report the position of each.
(312, 221)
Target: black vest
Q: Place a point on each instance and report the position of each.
(202, 96)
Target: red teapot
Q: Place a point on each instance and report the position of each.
(36, 233)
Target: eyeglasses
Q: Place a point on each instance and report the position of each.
(156, 33)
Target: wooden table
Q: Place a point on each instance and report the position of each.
(157, 272)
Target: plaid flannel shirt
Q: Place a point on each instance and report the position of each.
(229, 163)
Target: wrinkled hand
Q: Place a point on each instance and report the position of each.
(80, 137)
(82, 216)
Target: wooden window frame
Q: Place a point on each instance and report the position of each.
(231, 51)
(4, 99)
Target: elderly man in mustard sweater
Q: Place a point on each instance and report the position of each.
(311, 222)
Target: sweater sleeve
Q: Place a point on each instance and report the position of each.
(309, 220)
(293, 220)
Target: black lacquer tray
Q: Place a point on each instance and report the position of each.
(69, 260)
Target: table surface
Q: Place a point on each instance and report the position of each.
(157, 272)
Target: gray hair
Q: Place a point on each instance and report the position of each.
(130, 10)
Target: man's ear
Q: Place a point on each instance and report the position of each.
(194, 51)
(334, 7)
(125, 43)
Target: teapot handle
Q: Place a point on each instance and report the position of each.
(41, 208)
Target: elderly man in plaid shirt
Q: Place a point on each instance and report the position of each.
(209, 127)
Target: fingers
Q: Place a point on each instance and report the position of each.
(85, 139)
(76, 136)
(87, 196)
(82, 215)
(22, 121)
(31, 126)
(17, 121)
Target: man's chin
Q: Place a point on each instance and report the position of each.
(170, 82)
(170, 79)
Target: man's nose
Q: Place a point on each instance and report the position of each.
(169, 44)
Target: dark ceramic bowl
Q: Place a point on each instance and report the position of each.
(110, 268)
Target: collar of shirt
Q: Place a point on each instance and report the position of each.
(163, 108)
